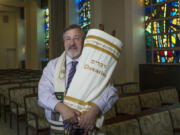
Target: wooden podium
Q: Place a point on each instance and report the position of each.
(152, 76)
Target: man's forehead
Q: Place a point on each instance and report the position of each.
(73, 31)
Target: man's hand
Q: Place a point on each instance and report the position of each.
(88, 119)
(68, 114)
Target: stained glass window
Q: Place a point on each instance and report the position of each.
(46, 31)
(84, 13)
(162, 31)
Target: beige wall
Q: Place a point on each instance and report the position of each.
(8, 39)
(25, 40)
(96, 13)
(12, 39)
(14, 3)
(124, 16)
(113, 19)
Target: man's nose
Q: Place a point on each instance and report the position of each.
(72, 41)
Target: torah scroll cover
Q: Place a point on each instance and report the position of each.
(98, 60)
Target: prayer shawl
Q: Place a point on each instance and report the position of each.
(99, 57)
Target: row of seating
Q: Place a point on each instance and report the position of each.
(18, 96)
(132, 104)
(5, 89)
(164, 121)
(127, 88)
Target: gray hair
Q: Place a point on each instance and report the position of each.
(75, 26)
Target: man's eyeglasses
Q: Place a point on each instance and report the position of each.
(76, 38)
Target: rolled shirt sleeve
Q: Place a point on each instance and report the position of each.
(107, 99)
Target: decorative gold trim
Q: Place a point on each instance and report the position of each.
(78, 101)
(105, 41)
(101, 49)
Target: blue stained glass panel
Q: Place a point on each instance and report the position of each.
(170, 56)
(148, 42)
(84, 14)
(163, 59)
(155, 56)
(46, 35)
(157, 1)
(177, 58)
(173, 13)
(159, 11)
(173, 40)
(148, 56)
(148, 11)
(160, 41)
(162, 30)
(174, 4)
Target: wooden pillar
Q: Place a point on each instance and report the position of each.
(31, 59)
(57, 10)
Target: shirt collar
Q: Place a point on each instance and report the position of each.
(69, 60)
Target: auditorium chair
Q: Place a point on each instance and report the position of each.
(123, 127)
(130, 87)
(35, 117)
(156, 123)
(16, 98)
(175, 115)
(32, 83)
(169, 96)
(111, 113)
(119, 89)
(128, 105)
(4, 80)
(150, 100)
(4, 87)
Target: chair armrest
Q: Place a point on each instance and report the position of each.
(35, 118)
(16, 106)
(165, 104)
(3, 99)
(124, 114)
(118, 119)
(13, 102)
(145, 108)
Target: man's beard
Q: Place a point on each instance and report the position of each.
(73, 55)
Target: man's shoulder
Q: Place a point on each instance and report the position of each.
(53, 61)
(52, 64)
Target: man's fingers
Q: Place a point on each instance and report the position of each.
(71, 120)
(66, 120)
(75, 120)
(77, 112)
(85, 132)
(81, 124)
(91, 127)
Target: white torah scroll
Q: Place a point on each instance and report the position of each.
(98, 60)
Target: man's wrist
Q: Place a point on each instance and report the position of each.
(58, 107)
(95, 110)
